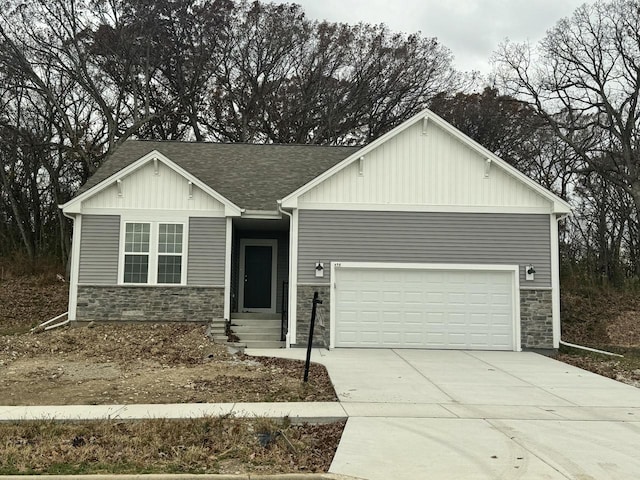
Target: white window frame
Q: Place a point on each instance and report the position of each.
(124, 253)
(154, 236)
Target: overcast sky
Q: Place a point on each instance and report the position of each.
(472, 29)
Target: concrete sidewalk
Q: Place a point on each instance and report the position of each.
(479, 415)
(300, 412)
(443, 414)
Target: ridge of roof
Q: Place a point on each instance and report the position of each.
(212, 142)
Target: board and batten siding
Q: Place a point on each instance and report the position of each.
(143, 189)
(99, 250)
(207, 236)
(436, 169)
(423, 237)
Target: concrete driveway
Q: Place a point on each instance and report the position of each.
(479, 415)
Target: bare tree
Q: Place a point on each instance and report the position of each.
(584, 79)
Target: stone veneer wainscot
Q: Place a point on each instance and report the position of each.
(149, 303)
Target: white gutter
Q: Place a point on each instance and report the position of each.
(589, 349)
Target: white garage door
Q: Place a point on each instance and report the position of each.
(424, 308)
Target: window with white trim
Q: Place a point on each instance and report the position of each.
(170, 253)
(153, 253)
(136, 252)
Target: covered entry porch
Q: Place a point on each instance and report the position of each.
(259, 281)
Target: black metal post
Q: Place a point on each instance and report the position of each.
(316, 301)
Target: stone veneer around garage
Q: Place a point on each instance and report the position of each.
(536, 318)
(149, 303)
(304, 306)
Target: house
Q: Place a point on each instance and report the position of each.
(421, 239)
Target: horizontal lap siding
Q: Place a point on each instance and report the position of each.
(207, 237)
(424, 237)
(99, 245)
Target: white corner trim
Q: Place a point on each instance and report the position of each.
(513, 269)
(332, 308)
(555, 281)
(231, 209)
(517, 328)
(75, 266)
(227, 268)
(293, 279)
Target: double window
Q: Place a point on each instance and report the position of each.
(153, 253)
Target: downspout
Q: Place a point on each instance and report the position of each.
(589, 349)
(573, 345)
(73, 271)
(291, 266)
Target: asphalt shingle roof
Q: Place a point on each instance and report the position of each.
(251, 176)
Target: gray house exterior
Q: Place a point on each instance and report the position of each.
(421, 239)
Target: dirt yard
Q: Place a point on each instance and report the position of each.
(608, 320)
(109, 364)
(128, 363)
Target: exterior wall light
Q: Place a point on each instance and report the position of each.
(529, 272)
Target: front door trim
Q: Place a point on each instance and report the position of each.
(273, 243)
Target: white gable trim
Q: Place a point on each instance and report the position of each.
(559, 205)
(74, 205)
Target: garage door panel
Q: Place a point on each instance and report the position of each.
(415, 308)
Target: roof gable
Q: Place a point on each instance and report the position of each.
(249, 176)
(425, 162)
(156, 185)
(150, 161)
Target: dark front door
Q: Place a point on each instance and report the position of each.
(257, 275)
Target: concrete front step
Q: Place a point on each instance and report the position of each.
(262, 344)
(270, 330)
(268, 337)
(255, 323)
(257, 330)
(256, 315)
